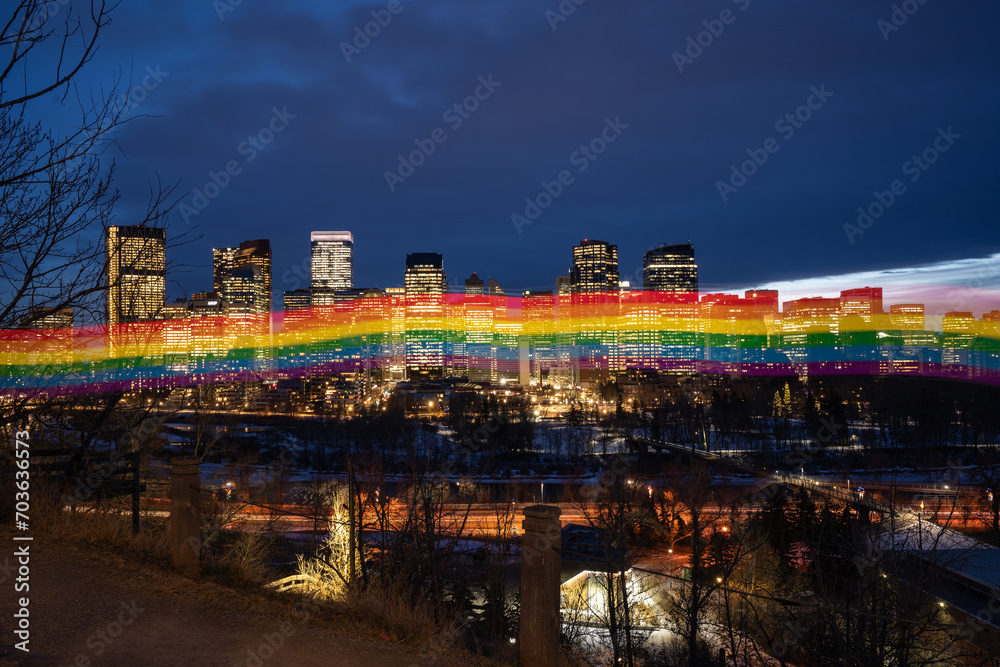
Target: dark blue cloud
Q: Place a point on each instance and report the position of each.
(657, 182)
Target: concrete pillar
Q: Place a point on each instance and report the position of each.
(541, 563)
(185, 516)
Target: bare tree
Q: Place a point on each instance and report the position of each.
(619, 512)
(56, 189)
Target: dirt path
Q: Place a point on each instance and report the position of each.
(104, 610)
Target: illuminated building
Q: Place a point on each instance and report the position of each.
(640, 338)
(137, 267)
(734, 333)
(40, 317)
(865, 302)
(811, 314)
(474, 285)
(906, 342)
(959, 331)
(296, 304)
(567, 370)
(53, 343)
(222, 263)
(249, 253)
(765, 302)
(211, 334)
(396, 314)
(538, 309)
(426, 286)
(907, 317)
(332, 260)
(246, 285)
(257, 253)
(463, 313)
(594, 268)
(176, 335)
(478, 328)
(670, 268)
(595, 286)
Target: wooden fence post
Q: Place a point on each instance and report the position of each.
(541, 564)
(185, 516)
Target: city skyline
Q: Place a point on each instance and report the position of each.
(965, 280)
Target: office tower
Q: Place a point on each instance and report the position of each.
(565, 369)
(257, 253)
(865, 302)
(917, 347)
(595, 267)
(538, 312)
(53, 339)
(40, 317)
(670, 268)
(299, 299)
(246, 304)
(595, 301)
(396, 314)
(811, 314)
(474, 285)
(765, 302)
(223, 261)
(495, 289)
(137, 269)
(246, 285)
(332, 260)
(425, 274)
(214, 330)
(957, 337)
(907, 317)
(426, 285)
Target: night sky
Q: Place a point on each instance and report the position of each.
(879, 95)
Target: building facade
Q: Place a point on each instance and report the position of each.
(137, 269)
(332, 260)
(670, 268)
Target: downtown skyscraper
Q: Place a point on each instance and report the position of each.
(670, 268)
(332, 260)
(249, 253)
(136, 279)
(426, 286)
(594, 267)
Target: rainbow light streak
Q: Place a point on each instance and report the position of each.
(677, 333)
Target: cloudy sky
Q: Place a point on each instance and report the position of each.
(644, 108)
